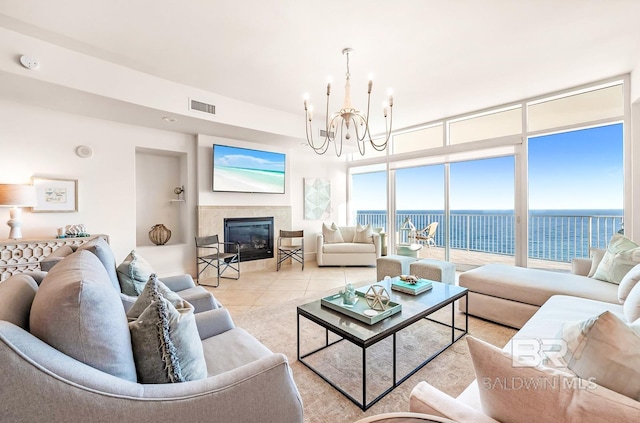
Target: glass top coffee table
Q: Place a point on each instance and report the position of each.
(363, 335)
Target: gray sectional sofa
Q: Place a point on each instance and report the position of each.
(66, 354)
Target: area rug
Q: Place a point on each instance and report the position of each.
(451, 372)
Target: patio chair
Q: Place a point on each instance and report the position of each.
(291, 250)
(210, 252)
(427, 235)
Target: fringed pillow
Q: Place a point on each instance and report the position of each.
(165, 339)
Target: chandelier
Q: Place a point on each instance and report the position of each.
(347, 119)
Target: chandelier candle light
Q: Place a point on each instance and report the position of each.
(345, 118)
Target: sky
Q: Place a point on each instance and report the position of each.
(247, 158)
(574, 170)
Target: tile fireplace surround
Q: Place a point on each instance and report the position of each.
(211, 222)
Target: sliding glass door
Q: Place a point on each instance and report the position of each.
(576, 186)
(420, 199)
(482, 223)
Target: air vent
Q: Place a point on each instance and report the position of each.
(203, 107)
(323, 133)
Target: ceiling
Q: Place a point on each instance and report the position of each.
(440, 58)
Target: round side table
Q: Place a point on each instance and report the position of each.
(404, 418)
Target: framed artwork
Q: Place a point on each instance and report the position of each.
(317, 198)
(56, 195)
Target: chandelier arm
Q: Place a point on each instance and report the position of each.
(312, 143)
(380, 147)
(339, 152)
(333, 119)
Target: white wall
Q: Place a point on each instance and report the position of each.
(40, 142)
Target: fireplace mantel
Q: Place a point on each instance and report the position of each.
(211, 222)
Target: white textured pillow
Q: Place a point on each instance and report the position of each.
(631, 306)
(627, 283)
(534, 394)
(604, 349)
(596, 255)
(621, 256)
(364, 234)
(331, 234)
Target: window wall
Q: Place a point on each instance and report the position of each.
(489, 166)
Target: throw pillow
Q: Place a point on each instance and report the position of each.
(148, 295)
(631, 306)
(133, 274)
(16, 296)
(628, 282)
(533, 394)
(596, 255)
(364, 234)
(621, 256)
(604, 349)
(331, 234)
(165, 339)
(103, 251)
(77, 311)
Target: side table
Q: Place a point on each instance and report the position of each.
(25, 255)
(404, 418)
(409, 250)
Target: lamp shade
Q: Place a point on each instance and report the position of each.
(12, 195)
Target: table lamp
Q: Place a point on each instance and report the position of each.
(16, 196)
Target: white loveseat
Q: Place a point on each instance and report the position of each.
(596, 322)
(347, 246)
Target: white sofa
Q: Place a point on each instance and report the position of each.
(504, 392)
(347, 250)
(543, 404)
(511, 295)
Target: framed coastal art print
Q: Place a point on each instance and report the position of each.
(55, 195)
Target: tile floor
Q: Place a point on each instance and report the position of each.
(265, 287)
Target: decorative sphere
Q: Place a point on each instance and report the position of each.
(377, 297)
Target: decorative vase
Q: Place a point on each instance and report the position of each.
(159, 234)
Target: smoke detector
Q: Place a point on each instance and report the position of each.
(29, 62)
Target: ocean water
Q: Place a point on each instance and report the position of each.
(558, 235)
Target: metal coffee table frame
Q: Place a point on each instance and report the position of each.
(389, 327)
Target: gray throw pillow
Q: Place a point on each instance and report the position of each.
(16, 296)
(148, 295)
(166, 343)
(133, 274)
(103, 251)
(77, 311)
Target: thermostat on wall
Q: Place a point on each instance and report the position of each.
(84, 151)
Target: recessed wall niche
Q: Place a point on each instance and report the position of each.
(158, 173)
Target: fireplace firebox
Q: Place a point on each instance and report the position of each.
(254, 234)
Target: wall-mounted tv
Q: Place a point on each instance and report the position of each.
(238, 169)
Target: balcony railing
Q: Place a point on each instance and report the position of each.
(551, 237)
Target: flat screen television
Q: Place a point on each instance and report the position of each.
(238, 169)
